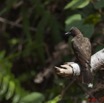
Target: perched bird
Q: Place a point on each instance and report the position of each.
(82, 50)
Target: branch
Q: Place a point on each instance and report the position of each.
(61, 49)
(72, 68)
(15, 24)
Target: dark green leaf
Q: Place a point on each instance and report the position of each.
(99, 4)
(86, 29)
(26, 24)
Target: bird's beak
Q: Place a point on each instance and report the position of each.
(68, 34)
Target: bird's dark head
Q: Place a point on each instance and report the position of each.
(73, 32)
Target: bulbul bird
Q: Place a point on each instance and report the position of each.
(82, 50)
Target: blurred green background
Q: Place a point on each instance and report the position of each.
(32, 42)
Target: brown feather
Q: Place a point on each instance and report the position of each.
(82, 49)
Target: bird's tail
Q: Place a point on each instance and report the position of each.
(87, 77)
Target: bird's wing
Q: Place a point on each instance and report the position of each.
(82, 50)
(87, 46)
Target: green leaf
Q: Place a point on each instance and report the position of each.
(99, 4)
(40, 36)
(55, 29)
(2, 54)
(34, 97)
(72, 18)
(77, 4)
(14, 41)
(55, 100)
(41, 27)
(11, 90)
(5, 83)
(3, 11)
(26, 24)
(99, 47)
(9, 5)
(16, 98)
(84, 3)
(1, 78)
(86, 29)
(93, 18)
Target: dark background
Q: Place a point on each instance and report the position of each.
(32, 42)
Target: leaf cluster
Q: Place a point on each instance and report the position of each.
(31, 40)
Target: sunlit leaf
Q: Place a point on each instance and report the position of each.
(11, 89)
(84, 3)
(72, 18)
(33, 98)
(4, 86)
(77, 4)
(54, 100)
(70, 4)
(16, 98)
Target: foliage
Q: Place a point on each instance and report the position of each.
(31, 31)
(10, 88)
(77, 4)
(33, 97)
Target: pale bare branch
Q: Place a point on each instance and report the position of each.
(72, 68)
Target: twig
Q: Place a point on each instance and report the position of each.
(67, 87)
(60, 51)
(15, 24)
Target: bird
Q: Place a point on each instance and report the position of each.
(82, 49)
